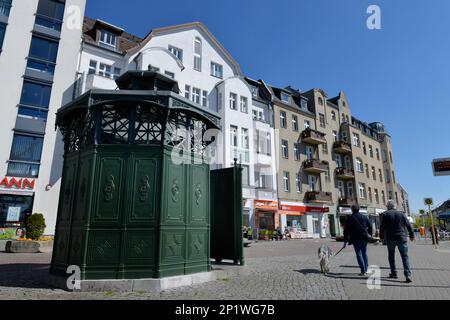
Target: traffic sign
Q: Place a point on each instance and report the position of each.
(428, 201)
(441, 167)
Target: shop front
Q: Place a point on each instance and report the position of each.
(16, 203)
(304, 221)
(343, 213)
(266, 214)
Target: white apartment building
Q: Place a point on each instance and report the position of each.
(207, 75)
(39, 48)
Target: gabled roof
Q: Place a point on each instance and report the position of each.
(187, 26)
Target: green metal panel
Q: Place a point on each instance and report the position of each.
(226, 215)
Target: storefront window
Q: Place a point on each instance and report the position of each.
(297, 223)
(14, 210)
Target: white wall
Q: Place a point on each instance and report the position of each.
(46, 202)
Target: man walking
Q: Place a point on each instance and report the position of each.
(394, 229)
(358, 231)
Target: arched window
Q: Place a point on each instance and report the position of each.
(198, 54)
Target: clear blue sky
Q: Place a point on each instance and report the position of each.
(399, 75)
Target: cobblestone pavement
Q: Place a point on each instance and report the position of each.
(275, 270)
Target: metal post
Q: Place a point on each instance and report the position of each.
(433, 229)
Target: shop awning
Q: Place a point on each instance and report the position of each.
(291, 213)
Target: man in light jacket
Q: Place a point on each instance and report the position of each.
(394, 229)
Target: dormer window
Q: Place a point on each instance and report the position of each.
(177, 52)
(304, 104)
(285, 97)
(254, 91)
(107, 38)
(320, 101)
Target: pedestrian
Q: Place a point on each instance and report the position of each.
(395, 229)
(358, 231)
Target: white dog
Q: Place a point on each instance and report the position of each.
(325, 253)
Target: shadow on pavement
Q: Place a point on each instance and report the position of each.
(344, 276)
(387, 268)
(25, 275)
(308, 271)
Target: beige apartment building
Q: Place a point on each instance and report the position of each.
(327, 160)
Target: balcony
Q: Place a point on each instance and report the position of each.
(315, 166)
(344, 201)
(345, 173)
(342, 147)
(318, 197)
(313, 137)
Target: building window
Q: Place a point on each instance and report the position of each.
(377, 197)
(322, 120)
(2, 35)
(35, 100)
(369, 191)
(362, 191)
(370, 151)
(285, 97)
(359, 165)
(344, 136)
(304, 104)
(296, 152)
(334, 135)
(307, 124)
(374, 174)
(377, 152)
(350, 189)
(390, 156)
(364, 148)
(92, 67)
(50, 14)
(282, 119)
(254, 91)
(42, 55)
(383, 197)
(294, 122)
(196, 95)
(104, 70)
(356, 141)
(187, 92)
(5, 7)
(197, 54)
(390, 195)
(327, 175)
(107, 38)
(245, 139)
(333, 115)
(216, 70)
(396, 198)
(169, 74)
(388, 176)
(298, 183)
(233, 136)
(325, 148)
(311, 183)
(117, 72)
(244, 104)
(284, 149)
(177, 52)
(286, 182)
(380, 175)
(233, 103)
(204, 98)
(367, 170)
(393, 176)
(245, 175)
(25, 156)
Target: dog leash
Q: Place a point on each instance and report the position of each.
(339, 251)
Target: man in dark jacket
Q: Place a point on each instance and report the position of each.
(395, 229)
(358, 231)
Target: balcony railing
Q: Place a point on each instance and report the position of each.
(342, 147)
(315, 166)
(344, 201)
(318, 196)
(5, 7)
(48, 22)
(311, 136)
(345, 173)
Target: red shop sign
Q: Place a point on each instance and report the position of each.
(17, 183)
